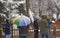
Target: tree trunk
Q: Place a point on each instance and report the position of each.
(27, 7)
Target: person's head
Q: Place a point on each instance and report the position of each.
(44, 17)
(44, 14)
(48, 17)
(7, 21)
(36, 17)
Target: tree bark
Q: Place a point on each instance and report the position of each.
(27, 7)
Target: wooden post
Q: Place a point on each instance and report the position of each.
(54, 32)
(12, 31)
(0, 31)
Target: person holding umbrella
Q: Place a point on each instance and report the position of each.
(23, 25)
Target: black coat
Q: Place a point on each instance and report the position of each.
(36, 24)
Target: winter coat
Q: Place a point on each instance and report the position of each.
(7, 28)
(43, 25)
(36, 25)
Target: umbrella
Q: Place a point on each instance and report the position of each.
(21, 20)
(16, 20)
(24, 21)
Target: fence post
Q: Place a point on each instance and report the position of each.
(0, 31)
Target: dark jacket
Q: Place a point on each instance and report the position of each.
(36, 24)
(36, 28)
(7, 28)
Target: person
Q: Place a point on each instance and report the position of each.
(49, 23)
(36, 25)
(23, 26)
(7, 29)
(36, 28)
(22, 31)
(43, 24)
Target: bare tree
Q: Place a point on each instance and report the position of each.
(43, 6)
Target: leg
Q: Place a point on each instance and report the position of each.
(42, 35)
(47, 35)
(35, 33)
(24, 36)
(8, 36)
(21, 36)
(22, 32)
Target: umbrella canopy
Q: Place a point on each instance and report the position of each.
(21, 20)
(16, 20)
(24, 21)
